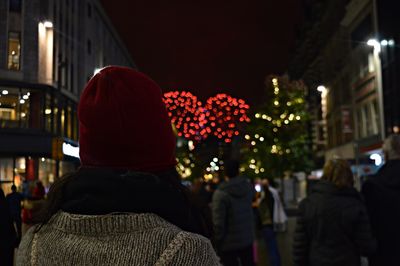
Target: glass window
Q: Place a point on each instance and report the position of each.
(48, 114)
(69, 122)
(29, 115)
(375, 117)
(6, 169)
(62, 130)
(20, 108)
(6, 174)
(14, 51)
(47, 171)
(9, 108)
(15, 6)
(55, 117)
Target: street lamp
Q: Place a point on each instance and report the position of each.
(48, 24)
(321, 88)
(374, 43)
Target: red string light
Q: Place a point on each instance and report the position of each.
(227, 112)
(184, 108)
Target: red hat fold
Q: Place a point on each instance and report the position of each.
(123, 123)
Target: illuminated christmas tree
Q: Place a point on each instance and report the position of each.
(277, 135)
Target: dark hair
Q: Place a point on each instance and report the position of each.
(231, 168)
(57, 193)
(13, 188)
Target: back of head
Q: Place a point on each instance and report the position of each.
(13, 188)
(231, 168)
(391, 147)
(123, 123)
(338, 172)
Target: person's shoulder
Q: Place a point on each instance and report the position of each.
(23, 251)
(219, 194)
(195, 250)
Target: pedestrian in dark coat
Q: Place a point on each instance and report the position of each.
(14, 200)
(233, 218)
(333, 227)
(7, 233)
(382, 197)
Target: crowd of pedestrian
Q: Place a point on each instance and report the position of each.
(126, 204)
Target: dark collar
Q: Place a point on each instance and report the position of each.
(103, 191)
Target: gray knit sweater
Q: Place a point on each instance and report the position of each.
(115, 239)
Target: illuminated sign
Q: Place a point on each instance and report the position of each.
(70, 150)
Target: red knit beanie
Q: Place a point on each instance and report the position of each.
(123, 123)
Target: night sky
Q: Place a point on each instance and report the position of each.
(208, 46)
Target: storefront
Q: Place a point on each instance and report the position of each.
(35, 122)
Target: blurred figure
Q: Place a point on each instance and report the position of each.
(333, 227)
(233, 218)
(382, 197)
(7, 233)
(267, 214)
(39, 192)
(14, 200)
(126, 205)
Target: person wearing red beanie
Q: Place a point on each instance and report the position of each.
(123, 123)
(126, 204)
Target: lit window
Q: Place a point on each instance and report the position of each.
(14, 51)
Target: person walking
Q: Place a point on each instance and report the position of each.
(232, 215)
(126, 204)
(382, 197)
(7, 233)
(14, 200)
(267, 209)
(333, 227)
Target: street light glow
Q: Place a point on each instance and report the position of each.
(384, 42)
(374, 43)
(321, 88)
(48, 24)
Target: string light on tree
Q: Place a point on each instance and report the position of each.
(224, 113)
(279, 130)
(187, 114)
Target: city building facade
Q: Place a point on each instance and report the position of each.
(346, 55)
(49, 49)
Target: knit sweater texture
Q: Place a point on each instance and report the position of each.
(114, 239)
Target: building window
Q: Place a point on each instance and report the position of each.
(89, 47)
(16, 6)
(48, 114)
(14, 51)
(89, 10)
(375, 117)
(15, 108)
